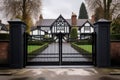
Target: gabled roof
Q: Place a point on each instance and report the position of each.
(3, 27)
(85, 23)
(64, 20)
(80, 22)
(49, 22)
(45, 22)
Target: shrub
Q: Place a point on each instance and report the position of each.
(4, 36)
(73, 33)
(115, 26)
(48, 40)
(35, 43)
(83, 42)
(115, 37)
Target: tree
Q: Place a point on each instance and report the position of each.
(23, 9)
(83, 12)
(109, 7)
(98, 13)
(115, 26)
(73, 33)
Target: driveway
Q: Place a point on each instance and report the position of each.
(51, 54)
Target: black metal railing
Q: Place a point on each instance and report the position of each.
(55, 54)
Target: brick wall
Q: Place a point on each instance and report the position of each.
(115, 50)
(4, 49)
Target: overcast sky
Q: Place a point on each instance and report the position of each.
(53, 8)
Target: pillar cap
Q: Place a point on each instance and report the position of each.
(102, 20)
(16, 20)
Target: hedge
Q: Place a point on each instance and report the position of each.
(48, 40)
(115, 36)
(36, 42)
(4, 36)
(84, 42)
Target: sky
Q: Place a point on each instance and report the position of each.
(53, 8)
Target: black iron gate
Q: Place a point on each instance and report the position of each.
(71, 54)
(55, 51)
(47, 54)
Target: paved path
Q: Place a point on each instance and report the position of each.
(54, 48)
(52, 54)
(60, 74)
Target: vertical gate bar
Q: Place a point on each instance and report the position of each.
(60, 48)
(25, 49)
(93, 48)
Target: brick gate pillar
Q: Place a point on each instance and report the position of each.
(16, 56)
(102, 29)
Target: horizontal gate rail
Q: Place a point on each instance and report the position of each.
(37, 63)
(60, 56)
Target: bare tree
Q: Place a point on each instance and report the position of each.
(109, 7)
(24, 9)
(99, 13)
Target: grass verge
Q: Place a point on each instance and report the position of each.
(32, 49)
(82, 48)
(87, 48)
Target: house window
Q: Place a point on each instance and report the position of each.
(0, 27)
(87, 28)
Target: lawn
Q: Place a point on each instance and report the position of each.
(32, 48)
(87, 48)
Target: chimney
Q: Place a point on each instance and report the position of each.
(74, 19)
(93, 19)
(41, 17)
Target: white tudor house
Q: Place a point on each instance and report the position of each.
(51, 27)
(3, 29)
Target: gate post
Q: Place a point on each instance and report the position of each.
(102, 29)
(16, 56)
